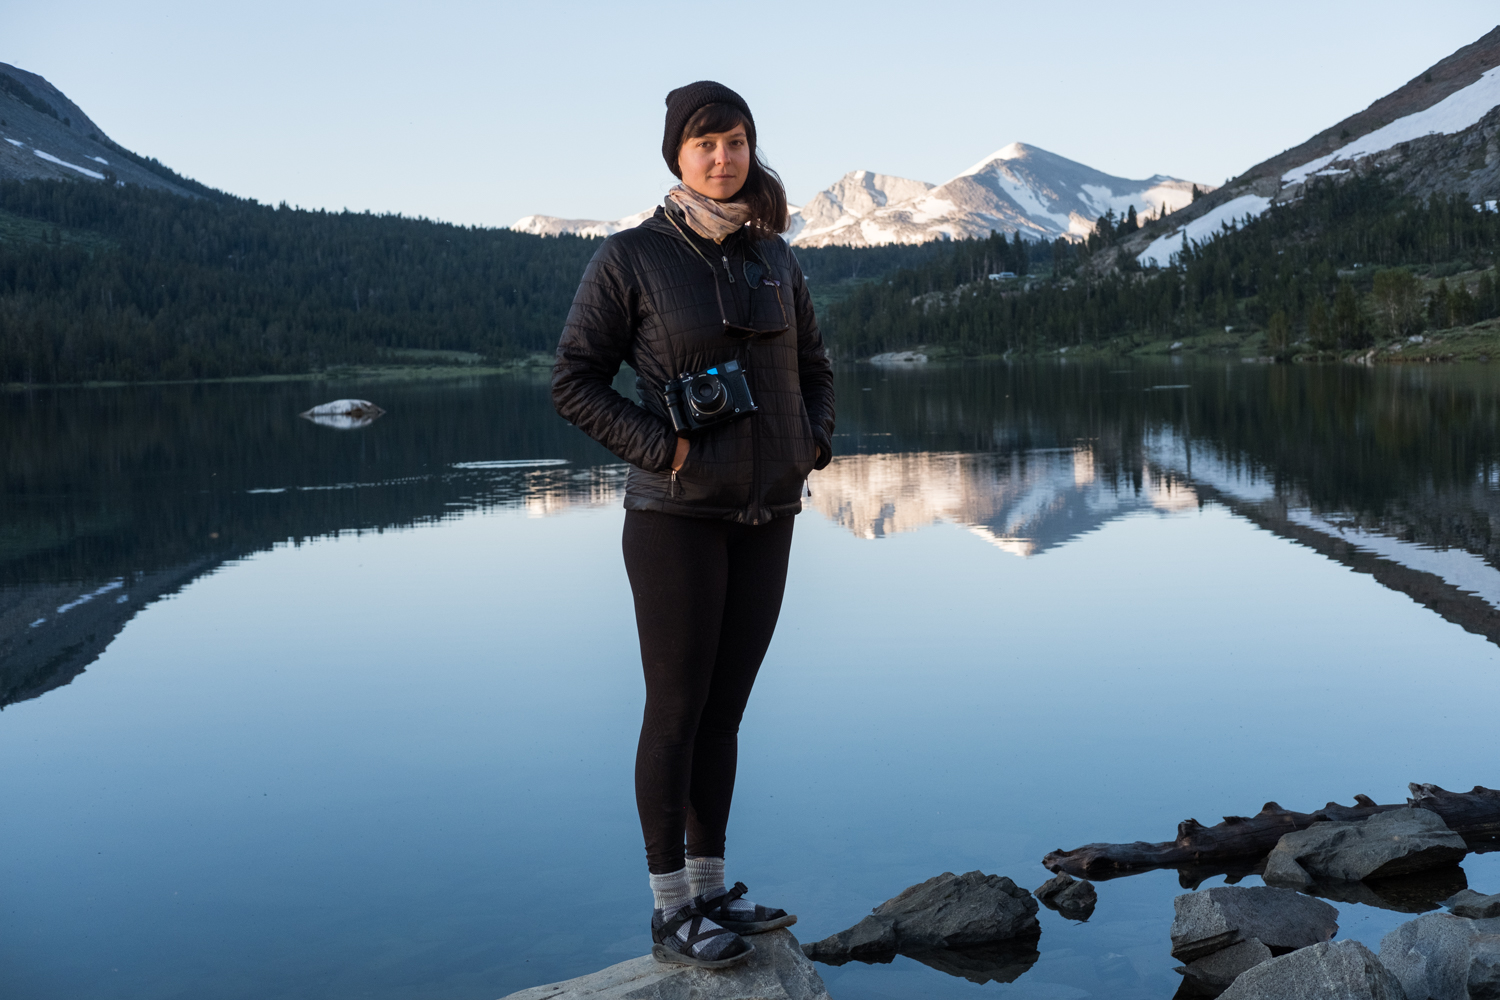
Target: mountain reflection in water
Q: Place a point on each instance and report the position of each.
(1023, 503)
(116, 498)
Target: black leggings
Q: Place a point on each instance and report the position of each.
(707, 595)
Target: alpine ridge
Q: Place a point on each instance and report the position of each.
(1437, 134)
(1019, 188)
(48, 136)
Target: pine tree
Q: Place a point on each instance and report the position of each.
(1320, 327)
(1462, 309)
(1348, 326)
(1485, 304)
(1437, 306)
(1279, 336)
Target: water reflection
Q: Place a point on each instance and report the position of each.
(113, 499)
(1023, 503)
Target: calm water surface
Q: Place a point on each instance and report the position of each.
(299, 712)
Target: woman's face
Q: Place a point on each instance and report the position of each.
(716, 164)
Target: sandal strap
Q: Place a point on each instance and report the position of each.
(694, 918)
(695, 935)
(718, 902)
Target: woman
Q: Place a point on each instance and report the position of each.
(705, 283)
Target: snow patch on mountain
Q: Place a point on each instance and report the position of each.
(1019, 188)
(1454, 113)
(96, 175)
(1232, 213)
(551, 225)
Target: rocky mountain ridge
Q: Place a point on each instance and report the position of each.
(1018, 188)
(48, 136)
(1437, 134)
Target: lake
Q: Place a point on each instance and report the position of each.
(293, 711)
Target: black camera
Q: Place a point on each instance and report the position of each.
(712, 397)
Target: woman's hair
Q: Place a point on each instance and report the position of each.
(762, 193)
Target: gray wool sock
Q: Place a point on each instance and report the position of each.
(672, 891)
(706, 875)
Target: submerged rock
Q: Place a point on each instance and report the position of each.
(1397, 842)
(946, 912)
(1073, 898)
(1217, 918)
(1335, 970)
(1469, 903)
(1443, 957)
(776, 971)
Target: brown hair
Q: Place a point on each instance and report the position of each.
(762, 193)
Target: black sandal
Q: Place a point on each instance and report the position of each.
(765, 918)
(668, 947)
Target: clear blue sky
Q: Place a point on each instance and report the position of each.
(483, 112)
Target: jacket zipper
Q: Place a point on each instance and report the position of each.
(672, 492)
(725, 259)
(754, 447)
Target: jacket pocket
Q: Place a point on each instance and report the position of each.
(714, 474)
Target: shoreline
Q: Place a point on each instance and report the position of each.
(341, 373)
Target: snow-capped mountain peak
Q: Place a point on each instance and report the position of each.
(851, 197)
(1018, 188)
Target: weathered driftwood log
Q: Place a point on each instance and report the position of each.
(1475, 813)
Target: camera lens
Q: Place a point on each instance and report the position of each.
(708, 395)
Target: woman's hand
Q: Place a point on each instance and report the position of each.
(681, 454)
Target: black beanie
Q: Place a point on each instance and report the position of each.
(684, 102)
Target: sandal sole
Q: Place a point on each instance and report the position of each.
(757, 927)
(667, 956)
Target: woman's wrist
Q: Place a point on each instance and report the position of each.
(680, 455)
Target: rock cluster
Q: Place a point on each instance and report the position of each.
(1469, 903)
(982, 927)
(1213, 919)
(1273, 944)
(1335, 970)
(1439, 956)
(1071, 897)
(947, 911)
(1397, 842)
(776, 971)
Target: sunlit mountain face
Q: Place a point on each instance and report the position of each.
(117, 498)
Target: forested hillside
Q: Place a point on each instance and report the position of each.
(125, 283)
(101, 282)
(1331, 271)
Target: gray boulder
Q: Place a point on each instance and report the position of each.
(776, 971)
(1396, 842)
(1439, 956)
(1072, 898)
(945, 912)
(1476, 905)
(1335, 970)
(1221, 968)
(1216, 918)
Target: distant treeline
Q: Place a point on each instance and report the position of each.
(1282, 272)
(104, 282)
(101, 282)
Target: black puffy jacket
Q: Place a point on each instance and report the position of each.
(647, 299)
